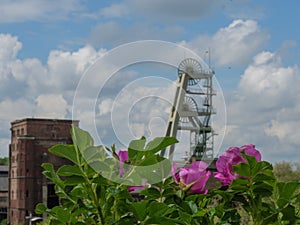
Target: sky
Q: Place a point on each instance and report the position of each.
(47, 46)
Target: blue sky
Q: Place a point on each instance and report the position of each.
(45, 47)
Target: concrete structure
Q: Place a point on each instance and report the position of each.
(30, 141)
(3, 192)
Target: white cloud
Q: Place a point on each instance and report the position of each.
(265, 108)
(52, 106)
(231, 45)
(66, 68)
(105, 106)
(36, 10)
(267, 79)
(15, 109)
(9, 48)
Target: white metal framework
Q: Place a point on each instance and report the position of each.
(192, 109)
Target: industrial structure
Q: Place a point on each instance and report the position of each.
(3, 191)
(30, 141)
(192, 109)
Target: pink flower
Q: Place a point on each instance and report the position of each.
(232, 157)
(123, 157)
(193, 178)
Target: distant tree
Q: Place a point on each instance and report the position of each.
(286, 171)
(4, 161)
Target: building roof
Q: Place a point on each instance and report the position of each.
(43, 119)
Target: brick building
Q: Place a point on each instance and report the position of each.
(3, 192)
(30, 141)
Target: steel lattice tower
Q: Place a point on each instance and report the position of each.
(192, 109)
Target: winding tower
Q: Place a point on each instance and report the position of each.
(192, 109)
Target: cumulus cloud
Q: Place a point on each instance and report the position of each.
(15, 109)
(270, 80)
(29, 77)
(235, 44)
(51, 106)
(105, 106)
(9, 48)
(12, 109)
(29, 88)
(265, 108)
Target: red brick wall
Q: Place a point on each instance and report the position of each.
(31, 139)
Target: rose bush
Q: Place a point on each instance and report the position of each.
(123, 157)
(230, 158)
(248, 187)
(192, 178)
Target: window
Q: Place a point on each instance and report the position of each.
(3, 199)
(27, 193)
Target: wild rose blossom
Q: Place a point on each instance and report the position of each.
(230, 158)
(123, 157)
(195, 177)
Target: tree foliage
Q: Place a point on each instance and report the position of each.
(286, 171)
(4, 161)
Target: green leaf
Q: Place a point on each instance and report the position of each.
(263, 189)
(74, 180)
(242, 169)
(154, 173)
(136, 148)
(251, 160)
(140, 210)
(81, 138)
(157, 209)
(261, 167)
(65, 151)
(289, 214)
(94, 153)
(193, 207)
(261, 177)
(68, 170)
(50, 174)
(287, 190)
(151, 192)
(163, 221)
(61, 214)
(185, 217)
(40, 208)
(159, 143)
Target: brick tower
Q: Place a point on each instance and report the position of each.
(30, 141)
